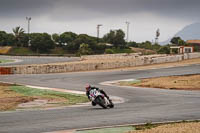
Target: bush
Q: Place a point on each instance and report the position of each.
(164, 50)
(125, 50)
(20, 51)
(41, 42)
(109, 51)
(118, 50)
(84, 49)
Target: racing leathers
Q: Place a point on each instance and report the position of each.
(100, 90)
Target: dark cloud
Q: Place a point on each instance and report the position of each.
(81, 16)
(75, 9)
(21, 8)
(89, 9)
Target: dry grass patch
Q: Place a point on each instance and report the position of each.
(193, 127)
(186, 82)
(20, 97)
(5, 50)
(10, 99)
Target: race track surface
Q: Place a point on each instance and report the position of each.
(142, 105)
(28, 60)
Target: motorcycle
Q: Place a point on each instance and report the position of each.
(97, 97)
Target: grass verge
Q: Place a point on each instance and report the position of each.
(177, 127)
(109, 130)
(20, 51)
(70, 98)
(13, 95)
(184, 82)
(181, 127)
(5, 61)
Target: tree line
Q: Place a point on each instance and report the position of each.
(69, 41)
(74, 43)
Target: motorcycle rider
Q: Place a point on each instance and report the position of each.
(89, 88)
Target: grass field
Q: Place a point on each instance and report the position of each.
(185, 82)
(20, 51)
(13, 95)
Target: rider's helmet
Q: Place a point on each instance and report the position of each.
(87, 87)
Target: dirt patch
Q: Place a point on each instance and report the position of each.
(186, 82)
(193, 127)
(14, 97)
(10, 99)
(5, 50)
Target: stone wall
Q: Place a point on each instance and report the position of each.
(110, 56)
(99, 64)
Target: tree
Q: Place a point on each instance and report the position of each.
(3, 38)
(132, 44)
(6, 39)
(164, 50)
(56, 39)
(67, 38)
(10, 39)
(115, 37)
(177, 41)
(41, 42)
(84, 49)
(84, 38)
(156, 46)
(19, 34)
(145, 45)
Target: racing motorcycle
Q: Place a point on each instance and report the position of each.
(97, 97)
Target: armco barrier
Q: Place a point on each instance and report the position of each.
(5, 71)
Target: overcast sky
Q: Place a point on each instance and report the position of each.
(82, 16)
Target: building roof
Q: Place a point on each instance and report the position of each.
(193, 41)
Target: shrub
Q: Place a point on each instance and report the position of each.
(109, 51)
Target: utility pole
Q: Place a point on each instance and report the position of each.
(157, 36)
(127, 34)
(29, 41)
(98, 27)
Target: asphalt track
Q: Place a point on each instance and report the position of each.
(142, 105)
(28, 60)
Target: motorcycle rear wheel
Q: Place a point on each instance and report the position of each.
(100, 100)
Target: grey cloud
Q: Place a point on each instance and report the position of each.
(89, 9)
(21, 8)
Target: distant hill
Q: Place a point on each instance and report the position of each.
(189, 32)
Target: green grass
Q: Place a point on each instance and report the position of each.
(24, 51)
(109, 130)
(58, 51)
(118, 50)
(71, 98)
(21, 51)
(5, 61)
